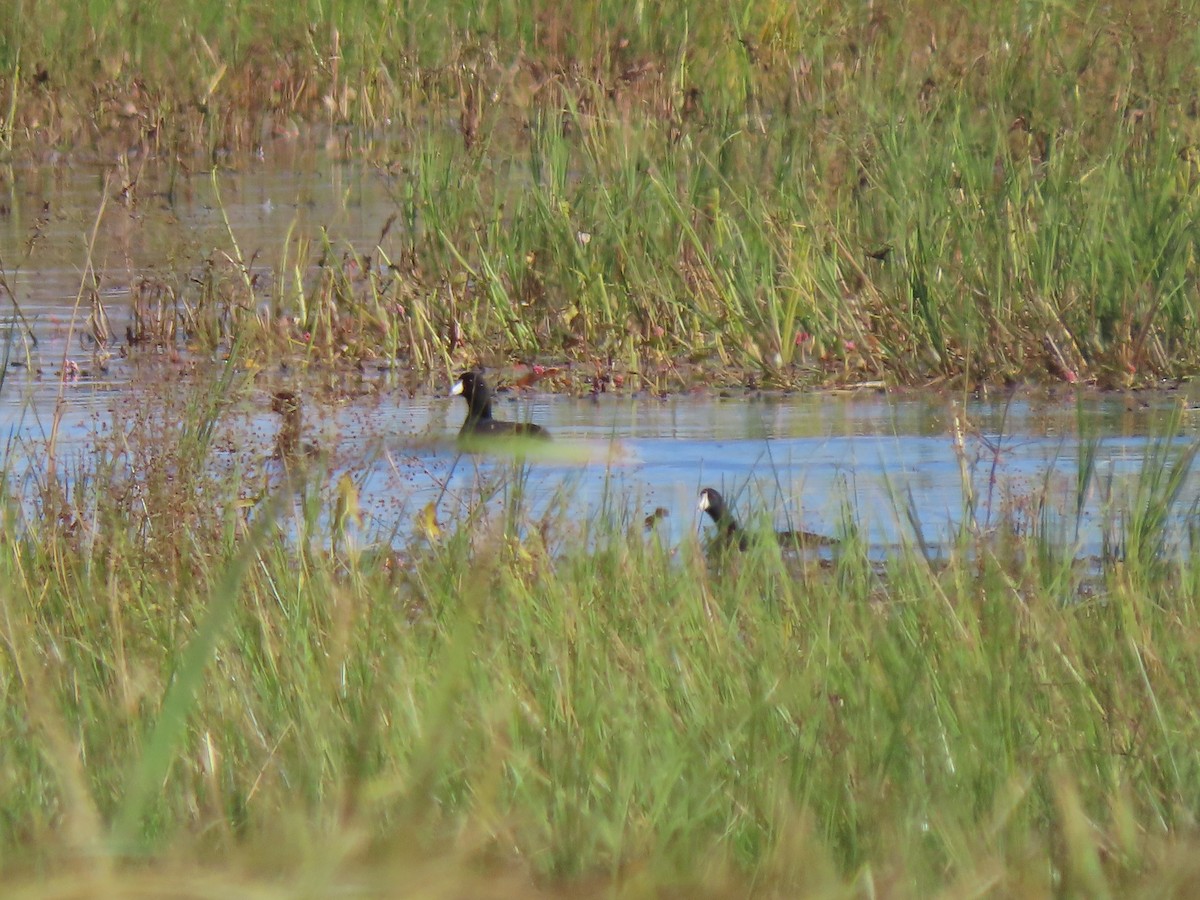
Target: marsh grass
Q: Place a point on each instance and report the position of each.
(790, 194)
(194, 681)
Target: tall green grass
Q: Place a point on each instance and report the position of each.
(783, 193)
(194, 676)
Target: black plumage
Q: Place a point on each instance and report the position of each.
(730, 533)
(479, 421)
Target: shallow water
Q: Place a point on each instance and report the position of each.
(62, 244)
(808, 461)
(811, 461)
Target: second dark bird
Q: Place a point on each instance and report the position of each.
(729, 532)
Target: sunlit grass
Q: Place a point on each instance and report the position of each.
(570, 702)
(790, 194)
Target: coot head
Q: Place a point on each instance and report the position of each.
(713, 503)
(474, 390)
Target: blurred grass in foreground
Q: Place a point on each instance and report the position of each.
(205, 691)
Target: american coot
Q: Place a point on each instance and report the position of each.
(479, 421)
(729, 531)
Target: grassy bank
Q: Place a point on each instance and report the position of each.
(203, 688)
(785, 194)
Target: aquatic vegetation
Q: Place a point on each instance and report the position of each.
(796, 195)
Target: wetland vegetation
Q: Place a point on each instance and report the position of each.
(216, 678)
(785, 193)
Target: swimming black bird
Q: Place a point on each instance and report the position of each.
(479, 421)
(728, 530)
